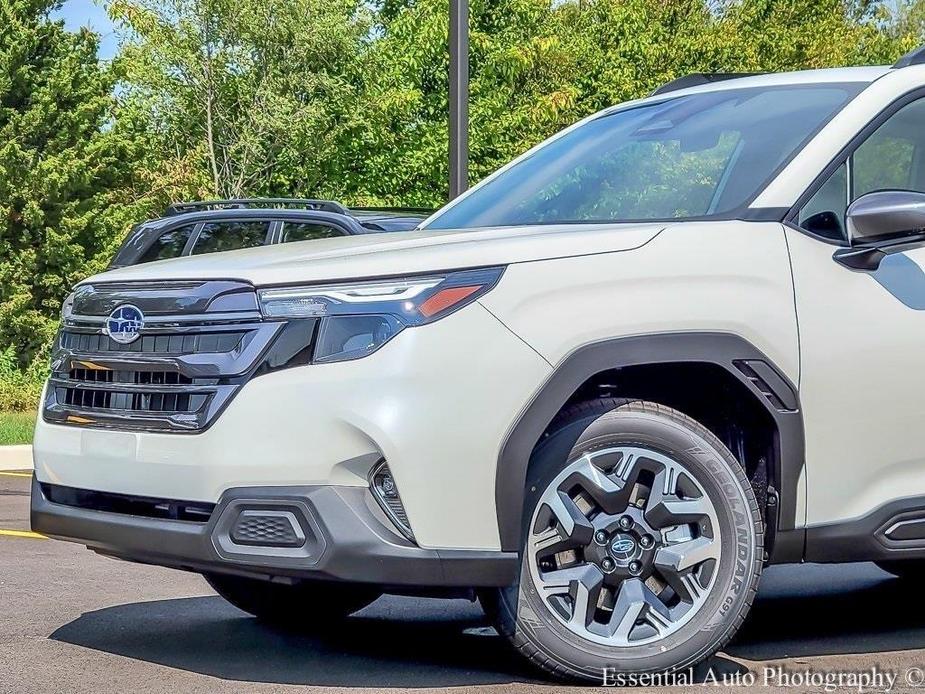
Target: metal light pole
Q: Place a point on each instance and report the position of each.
(459, 97)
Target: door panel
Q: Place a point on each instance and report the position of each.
(862, 385)
(862, 334)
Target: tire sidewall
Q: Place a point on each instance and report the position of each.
(724, 481)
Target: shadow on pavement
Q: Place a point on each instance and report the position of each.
(393, 643)
(818, 610)
(404, 642)
(396, 642)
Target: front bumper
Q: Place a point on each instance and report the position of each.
(435, 403)
(337, 533)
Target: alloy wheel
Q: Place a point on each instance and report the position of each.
(623, 546)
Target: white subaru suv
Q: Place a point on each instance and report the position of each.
(601, 390)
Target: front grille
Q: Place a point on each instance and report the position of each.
(78, 391)
(149, 507)
(162, 378)
(200, 343)
(166, 344)
(92, 399)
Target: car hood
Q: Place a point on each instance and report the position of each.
(396, 253)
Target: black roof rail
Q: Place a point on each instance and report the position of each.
(387, 208)
(916, 57)
(698, 78)
(256, 203)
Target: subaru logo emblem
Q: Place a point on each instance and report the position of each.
(623, 547)
(124, 324)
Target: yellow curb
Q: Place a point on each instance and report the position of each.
(16, 474)
(22, 533)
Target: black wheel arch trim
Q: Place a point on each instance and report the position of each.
(725, 350)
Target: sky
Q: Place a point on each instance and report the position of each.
(78, 13)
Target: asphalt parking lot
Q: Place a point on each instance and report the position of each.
(73, 621)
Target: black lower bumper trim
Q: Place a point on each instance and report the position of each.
(346, 538)
(884, 534)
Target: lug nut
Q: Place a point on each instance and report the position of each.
(600, 537)
(645, 541)
(626, 522)
(607, 564)
(635, 567)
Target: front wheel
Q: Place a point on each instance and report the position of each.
(301, 605)
(643, 545)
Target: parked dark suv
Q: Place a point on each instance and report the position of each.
(194, 228)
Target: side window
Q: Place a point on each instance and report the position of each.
(168, 245)
(886, 160)
(824, 214)
(892, 158)
(308, 231)
(230, 236)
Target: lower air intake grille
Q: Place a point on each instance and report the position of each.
(149, 507)
(267, 528)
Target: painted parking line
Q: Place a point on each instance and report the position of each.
(16, 474)
(22, 533)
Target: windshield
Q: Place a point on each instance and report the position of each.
(700, 156)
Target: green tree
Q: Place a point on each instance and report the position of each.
(537, 66)
(238, 98)
(904, 18)
(62, 165)
(523, 84)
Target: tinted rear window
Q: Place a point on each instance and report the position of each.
(230, 236)
(168, 245)
(308, 231)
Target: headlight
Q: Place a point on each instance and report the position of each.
(358, 318)
(67, 307)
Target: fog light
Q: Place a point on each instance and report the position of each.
(382, 485)
(388, 485)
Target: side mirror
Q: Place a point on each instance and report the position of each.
(884, 216)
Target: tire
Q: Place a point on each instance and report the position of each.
(904, 568)
(300, 606)
(643, 445)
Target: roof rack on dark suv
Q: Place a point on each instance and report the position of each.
(209, 226)
(256, 203)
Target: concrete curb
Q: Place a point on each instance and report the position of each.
(15, 457)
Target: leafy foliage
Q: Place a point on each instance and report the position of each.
(61, 170)
(238, 97)
(538, 66)
(19, 388)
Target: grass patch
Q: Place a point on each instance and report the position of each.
(16, 428)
